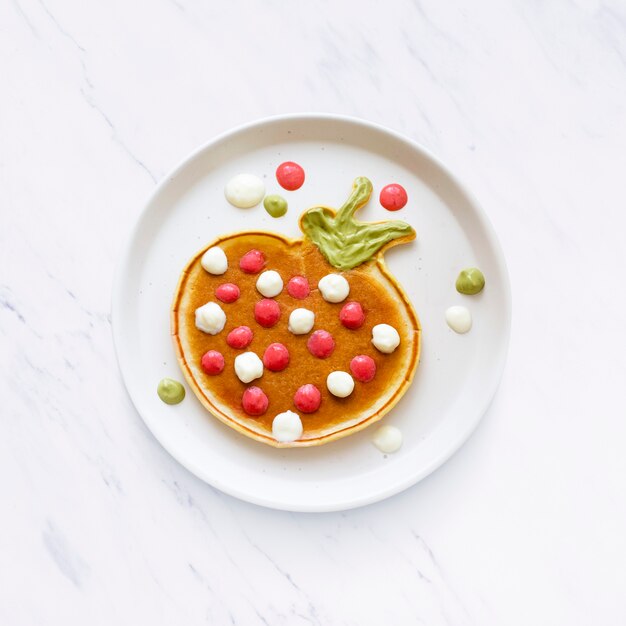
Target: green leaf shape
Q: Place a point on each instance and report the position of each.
(346, 242)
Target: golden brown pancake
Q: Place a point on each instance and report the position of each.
(381, 297)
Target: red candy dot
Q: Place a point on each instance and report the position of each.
(321, 344)
(298, 287)
(254, 401)
(290, 175)
(252, 262)
(276, 357)
(352, 315)
(240, 337)
(363, 368)
(308, 399)
(212, 362)
(393, 197)
(227, 293)
(266, 312)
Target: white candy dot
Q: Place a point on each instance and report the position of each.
(248, 367)
(214, 261)
(210, 318)
(385, 338)
(287, 427)
(387, 439)
(334, 288)
(459, 319)
(269, 283)
(340, 384)
(244, 191)
(301, 321)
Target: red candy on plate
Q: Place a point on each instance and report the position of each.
(227, 292)
(212, 362)
(307, 399)
(352, 315)
(240, 337)
(254, 401)
(276, 357)
(298, 287)
(321, 344)
(252, 262)
(290, 175)
(267, 312)
(393, 197)
(363, 368)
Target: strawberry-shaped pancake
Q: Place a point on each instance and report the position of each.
(298, 342)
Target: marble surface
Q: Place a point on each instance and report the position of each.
(526, 101)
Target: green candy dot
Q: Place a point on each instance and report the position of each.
(171, 391)
(470, 281)
(275, 205)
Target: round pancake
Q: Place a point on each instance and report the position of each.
(381, 297)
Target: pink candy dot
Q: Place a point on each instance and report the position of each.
(227, 292)
(307, 399)
(363, 368)
(298, 287)
(212, 362)
(276, 357)
(290, 175)
(254, 401)
(252, 262)
(352, 315)
(393, 197)
(240, 337)
(321, 344)
(267, 312)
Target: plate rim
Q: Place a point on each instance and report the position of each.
(410, 479)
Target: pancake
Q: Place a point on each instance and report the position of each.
(381, 297)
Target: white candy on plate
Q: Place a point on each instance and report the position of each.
(214, 261)
(334, 288)
(340, 384)
(385, 338)
(248, 367)
(210, 318)
(301, 321)
(269, 283)
(287, 427)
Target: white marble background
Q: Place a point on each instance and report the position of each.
(525, 100)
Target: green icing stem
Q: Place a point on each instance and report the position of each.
(346, 242)
(170, 391)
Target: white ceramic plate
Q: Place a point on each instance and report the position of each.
(458, 374)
